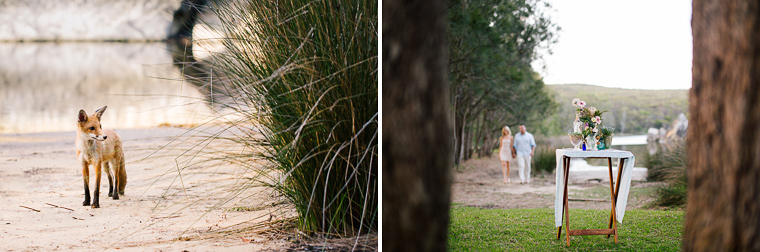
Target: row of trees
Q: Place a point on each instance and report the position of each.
(491, 46)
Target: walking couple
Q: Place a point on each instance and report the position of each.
(520, 148)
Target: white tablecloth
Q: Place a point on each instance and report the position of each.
(625, 183)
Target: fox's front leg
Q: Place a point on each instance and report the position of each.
(86, 177)
(96, 195)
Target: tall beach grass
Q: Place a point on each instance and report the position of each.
(303, 80)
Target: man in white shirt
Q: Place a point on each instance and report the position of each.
(524, 146)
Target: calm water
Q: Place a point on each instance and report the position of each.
(43, 86)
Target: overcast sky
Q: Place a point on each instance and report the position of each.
(628, 44)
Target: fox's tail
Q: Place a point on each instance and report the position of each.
(121, 170)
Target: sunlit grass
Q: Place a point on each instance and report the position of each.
(475, 229)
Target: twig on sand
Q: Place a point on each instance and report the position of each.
(61, 207)
(30, 208)
(166, 217)
(76, 218)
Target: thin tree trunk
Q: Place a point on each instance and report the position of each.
(483, 136)
(463, 141)
(489, 135)
(723, 205)
(468, 145)
(476, 137)
(454, 135)
(417, 127)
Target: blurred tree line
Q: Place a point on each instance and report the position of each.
(630, 111)
(491, 46)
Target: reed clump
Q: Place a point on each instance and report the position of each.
(303, 80)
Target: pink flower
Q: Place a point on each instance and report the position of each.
(575, 102)
(582, 104)
(598, 119)
(592, 110)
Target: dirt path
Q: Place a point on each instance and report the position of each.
(40, 170)
(478, 183)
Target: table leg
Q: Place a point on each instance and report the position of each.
(559, 229)
(609, 165)
(566, 209)
(617, 188)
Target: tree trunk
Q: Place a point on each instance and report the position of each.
(723, 205)
(462, 141)
(456, 139)
(417, 128)
(489, 135)
(481, 137)
(468, 144)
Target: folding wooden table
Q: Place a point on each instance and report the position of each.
(562, 179)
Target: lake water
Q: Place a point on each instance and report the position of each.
(629, 140)
(44, 85)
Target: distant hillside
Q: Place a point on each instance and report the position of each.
(630, 111)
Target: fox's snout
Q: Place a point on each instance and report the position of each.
(98, 137)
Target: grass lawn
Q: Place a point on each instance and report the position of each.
(475, 229)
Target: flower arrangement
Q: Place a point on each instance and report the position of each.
(590, 117)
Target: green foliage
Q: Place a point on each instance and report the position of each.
(491, 46)
(475, 229)
(630, 111)
(669, 166)
(305, 78)
(605, 131)
(544, 159)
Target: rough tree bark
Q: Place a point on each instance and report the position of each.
(417, 129)
(723, 207)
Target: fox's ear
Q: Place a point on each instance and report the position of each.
(100, 111)
(82, 116)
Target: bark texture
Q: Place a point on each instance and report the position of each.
(416, 127)
(723, 207)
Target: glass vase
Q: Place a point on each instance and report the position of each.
(608, 142)
(577, 123)
(591, 141)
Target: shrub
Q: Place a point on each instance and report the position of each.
(544, 159)
(669, 166)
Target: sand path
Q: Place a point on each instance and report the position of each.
(478, 183)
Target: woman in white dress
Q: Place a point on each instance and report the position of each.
(505, 152)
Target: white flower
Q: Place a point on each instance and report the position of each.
(592, 110)
(593, 119)
(595, 130)
(575, 102)
(581, 104)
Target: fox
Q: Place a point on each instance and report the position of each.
(101, 149)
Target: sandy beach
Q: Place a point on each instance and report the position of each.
(42, 190)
